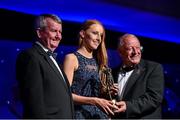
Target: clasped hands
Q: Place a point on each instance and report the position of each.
(119, 106)
(111, 106)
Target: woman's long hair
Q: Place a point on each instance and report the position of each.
(101, 53)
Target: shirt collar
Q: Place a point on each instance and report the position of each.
(45, 49)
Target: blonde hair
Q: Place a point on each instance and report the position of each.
(101, 52)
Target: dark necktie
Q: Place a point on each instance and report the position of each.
(50, 53)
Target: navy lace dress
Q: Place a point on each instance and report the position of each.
(86, 82)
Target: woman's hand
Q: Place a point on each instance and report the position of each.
(106, 105)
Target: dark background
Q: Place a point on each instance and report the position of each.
(16, 34)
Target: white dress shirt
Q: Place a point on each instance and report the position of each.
(51, 57)
(122, 80)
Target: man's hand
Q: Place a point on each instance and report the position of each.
(122, 107)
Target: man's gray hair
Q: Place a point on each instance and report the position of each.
(125, 36)
(40, 21)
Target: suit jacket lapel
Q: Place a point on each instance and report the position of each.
(53, 66)
(133, 78)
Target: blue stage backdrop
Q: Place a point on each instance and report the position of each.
(10, 106)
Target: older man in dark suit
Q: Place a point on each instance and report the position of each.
(140, 82)
(43, 85)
